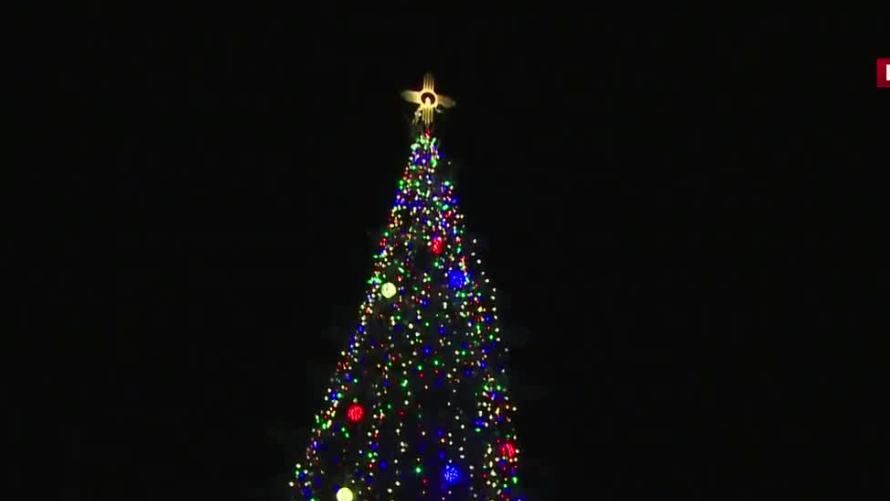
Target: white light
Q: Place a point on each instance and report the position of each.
(344, 494)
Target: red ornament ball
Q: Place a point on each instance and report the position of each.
(437, 246)
(355, 412)
(508, 450)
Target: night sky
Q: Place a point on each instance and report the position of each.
(635, 181)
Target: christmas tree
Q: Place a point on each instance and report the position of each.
(418, 407)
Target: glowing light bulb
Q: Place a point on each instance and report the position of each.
(344, 494)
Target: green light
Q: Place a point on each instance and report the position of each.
(420, 367)
(417, 470)
(404, 383)
(515, 480)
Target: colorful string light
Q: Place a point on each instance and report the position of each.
(426, 363)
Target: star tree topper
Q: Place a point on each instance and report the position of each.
(427, 100)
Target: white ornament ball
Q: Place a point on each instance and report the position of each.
(388, 290)
(344, 494)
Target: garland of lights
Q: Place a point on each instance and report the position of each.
(418, 407)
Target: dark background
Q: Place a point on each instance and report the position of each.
(652, 189)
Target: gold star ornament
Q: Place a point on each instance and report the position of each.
(427, 100)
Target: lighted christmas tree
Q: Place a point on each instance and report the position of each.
(418, 407)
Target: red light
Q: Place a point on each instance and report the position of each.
(508, 450)
(355, 412)
(437, 246)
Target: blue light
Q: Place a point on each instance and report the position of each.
(457, 279)
(451, 474)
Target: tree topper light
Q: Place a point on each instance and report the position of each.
(427, 100)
